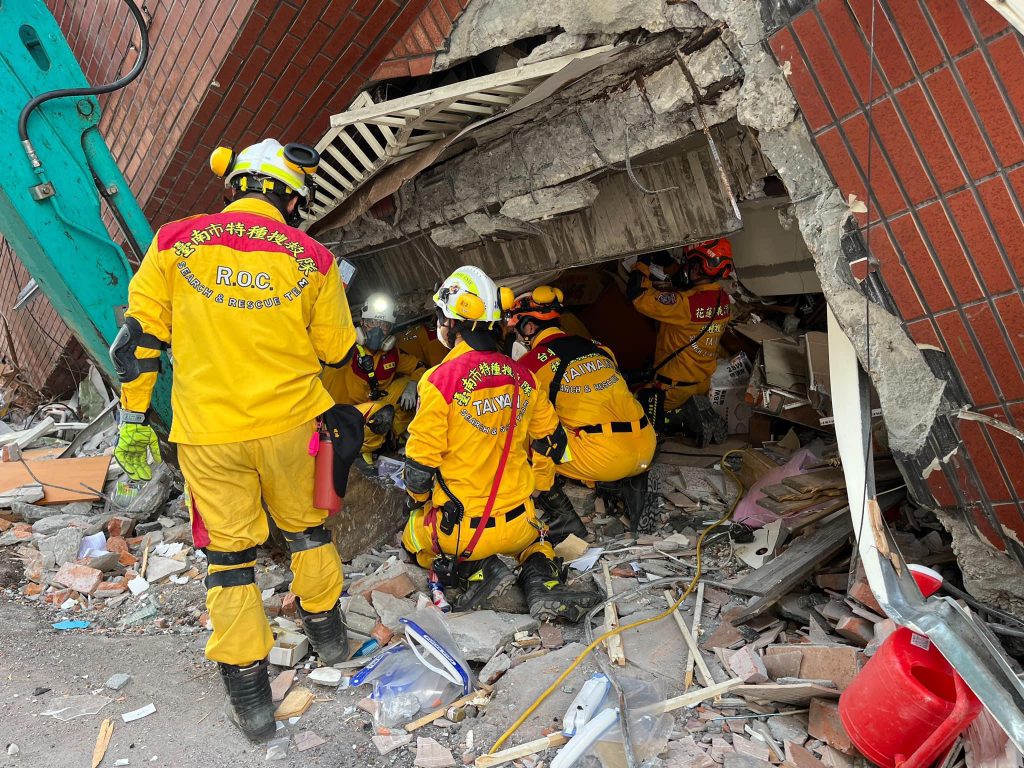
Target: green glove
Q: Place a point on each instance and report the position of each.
(133, 442)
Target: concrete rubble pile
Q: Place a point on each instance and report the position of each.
(748, 670)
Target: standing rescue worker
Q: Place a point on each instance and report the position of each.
(692, 315)
(251, 307)
(379, 380)
(467, 460)
(608, 434)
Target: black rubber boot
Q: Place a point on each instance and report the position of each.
(700, 420)
(547, 594)
(250, 704)
(639, 507)
(326, 633)
(484, 579)
(555, 510)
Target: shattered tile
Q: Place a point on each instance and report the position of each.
(391, 742)
(430, 754)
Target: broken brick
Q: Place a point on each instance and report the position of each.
(119, 525)
(117, 544)
(835, 581)
(550, 636)
(80, 578)
(5, 524)
(861, 592)
(746, 664)
(58, 596)
(857, 630)
(823, 723)
(31, 590)
(127, 559)
(381, 634)
(392, 579)
(272, 605)
(801, 757)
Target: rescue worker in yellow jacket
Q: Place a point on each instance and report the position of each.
(609, 437)
(379, 380)
(467, 460)
(251, 306)
(692, 314)
(421, 343)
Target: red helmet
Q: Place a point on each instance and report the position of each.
(543, 303)
(712, 257)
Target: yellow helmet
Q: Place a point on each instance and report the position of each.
(257, 168)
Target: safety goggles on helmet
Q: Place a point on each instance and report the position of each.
(469, 294)
(543, 303)
(712, 257)
(269, 167)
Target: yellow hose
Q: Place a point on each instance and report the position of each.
(696, 577)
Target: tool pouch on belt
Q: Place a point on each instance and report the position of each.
(652, 400)
(344, 426)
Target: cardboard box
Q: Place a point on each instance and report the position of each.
(785, 364)
(731, 405)
(819, 383)
(289, 649)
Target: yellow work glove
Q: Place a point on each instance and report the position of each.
(134, 444)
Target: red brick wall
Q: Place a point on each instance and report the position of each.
(945, 98)
(293, 65)
(414, 54)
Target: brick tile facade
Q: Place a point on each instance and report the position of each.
(939, 104)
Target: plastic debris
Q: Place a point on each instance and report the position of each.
(138, 714)
(70, 707)
(70, 625)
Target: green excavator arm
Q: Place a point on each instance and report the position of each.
(51, 208)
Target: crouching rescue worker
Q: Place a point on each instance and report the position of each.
(421, 343)
(379, 380)
(251, 306)
(692, 314)
(467, 460)
(609, 437)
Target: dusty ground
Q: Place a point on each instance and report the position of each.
(188, 728)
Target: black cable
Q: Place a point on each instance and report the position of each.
(98, 90)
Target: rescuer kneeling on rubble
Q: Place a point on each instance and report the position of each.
(609, 436)
(379, 380)
(251, 306)
(692, 313)
(467, 460)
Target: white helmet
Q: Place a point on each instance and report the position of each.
(292, 165)
(379, 306)
(469, 294)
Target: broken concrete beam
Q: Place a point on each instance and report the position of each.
(823, 723)
(80, 578)
(747, 665)
(497, 227)
(551, 201)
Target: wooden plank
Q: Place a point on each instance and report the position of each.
(611, 622)
(791, 693)
(796, 506)
(695, 634)
(818, 480)
(523, 750)
(691, 699)
(70, 474)
(694, 653)
(437, 714)
(778, 577)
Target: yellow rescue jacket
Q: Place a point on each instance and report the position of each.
(591, 390)
(459, 429)
(682, 316)
(351, 384)
(250, 307)
(421, 342)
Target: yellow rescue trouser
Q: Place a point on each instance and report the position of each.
(517, 538)
(226, 484)
(403, 417)
(608, 456)
(676, 396)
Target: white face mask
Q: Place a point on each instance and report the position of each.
(519, 349)
(442, 335)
